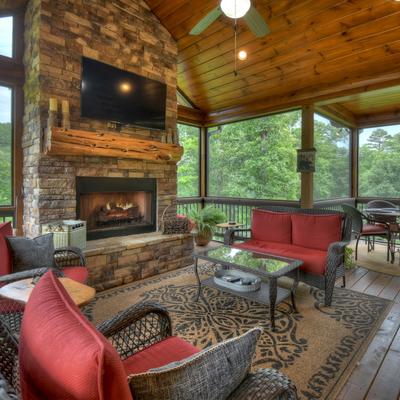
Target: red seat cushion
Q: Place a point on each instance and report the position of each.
(271, 226)
(316, 231)
(314, 261)
(61, 354)
(5, 253)
(159, 354)
(370, 229)
(79, 274)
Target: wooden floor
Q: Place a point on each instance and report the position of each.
(377, 375)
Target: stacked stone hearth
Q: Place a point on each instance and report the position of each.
(122, 33)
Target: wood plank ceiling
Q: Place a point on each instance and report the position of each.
(316, 50)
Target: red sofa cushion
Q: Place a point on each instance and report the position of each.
(79, 274)
(271, 226)
(159, 354)
(61, 355)
(5, 253)
(316, 231)
(314, 261)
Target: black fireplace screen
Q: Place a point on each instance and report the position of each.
(116, 206)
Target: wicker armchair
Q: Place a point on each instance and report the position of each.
(136, 329)
(335, 260)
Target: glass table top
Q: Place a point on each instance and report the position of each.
(265, 264)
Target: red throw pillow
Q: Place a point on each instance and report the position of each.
(271, 226)
(316, 231)
(61, 354)
(5, 253)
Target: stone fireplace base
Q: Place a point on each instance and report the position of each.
(120, 260)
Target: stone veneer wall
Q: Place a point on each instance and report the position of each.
(116, 261)
(58, 33)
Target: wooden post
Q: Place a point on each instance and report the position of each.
(307, 143)
(354, 163)
(203, 162)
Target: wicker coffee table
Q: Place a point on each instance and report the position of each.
(262, 265)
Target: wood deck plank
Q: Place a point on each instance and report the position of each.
(386, 385)
(364, 374)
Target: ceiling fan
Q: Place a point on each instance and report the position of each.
(234, 9)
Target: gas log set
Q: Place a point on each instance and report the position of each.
(118, 213)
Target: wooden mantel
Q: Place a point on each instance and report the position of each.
(70, 142)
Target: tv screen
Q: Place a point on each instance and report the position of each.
(114, 95)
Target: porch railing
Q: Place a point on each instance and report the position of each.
(6, 215)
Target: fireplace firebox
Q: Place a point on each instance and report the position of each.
(116, 206)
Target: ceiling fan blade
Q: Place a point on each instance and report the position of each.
(256, 22)
(205, 22)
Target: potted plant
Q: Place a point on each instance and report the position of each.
(205, 220)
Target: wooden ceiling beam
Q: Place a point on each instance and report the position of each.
(378, 119)
(338, 113)
(297, 99)
(191, 116)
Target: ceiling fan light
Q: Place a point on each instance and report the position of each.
(235, 8)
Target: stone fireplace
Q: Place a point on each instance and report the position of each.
(116, 206)
(124, 34)
(132, 40)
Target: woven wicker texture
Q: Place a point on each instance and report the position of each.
(171, 224)
(212, 374)
(265, 384)
(136, 328)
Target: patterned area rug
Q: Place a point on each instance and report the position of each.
(317, 347)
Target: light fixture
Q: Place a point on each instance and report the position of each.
(125, 87)
(235, 8)
(242, 55)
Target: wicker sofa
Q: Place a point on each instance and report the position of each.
(90, 366)
(318, 237)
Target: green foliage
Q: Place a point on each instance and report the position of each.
(207, 218)
(332, 166)
(256, 158)
(349, 261)
(380, 165)
(5, 163)
(188, 167)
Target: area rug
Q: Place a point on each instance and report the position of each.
(376, 260)
(317, 347)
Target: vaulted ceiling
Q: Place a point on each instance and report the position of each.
(316, 50)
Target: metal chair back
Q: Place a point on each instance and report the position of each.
(380, 204)
(356, 217)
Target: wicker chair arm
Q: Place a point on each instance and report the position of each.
(229, 236)
(137, 327)
(30, 273)
(335, 256)
(265, 384)
(68, 257)
(7, 392)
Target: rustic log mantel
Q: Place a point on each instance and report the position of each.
(70, 142)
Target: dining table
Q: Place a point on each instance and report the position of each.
(390, 216)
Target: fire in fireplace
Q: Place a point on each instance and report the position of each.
(116, 206)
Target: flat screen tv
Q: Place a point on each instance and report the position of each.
(114, 95)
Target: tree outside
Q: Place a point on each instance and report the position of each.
(5, 146)
(379, 162)
(256, 158)
(332, 165)
(188, 166)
